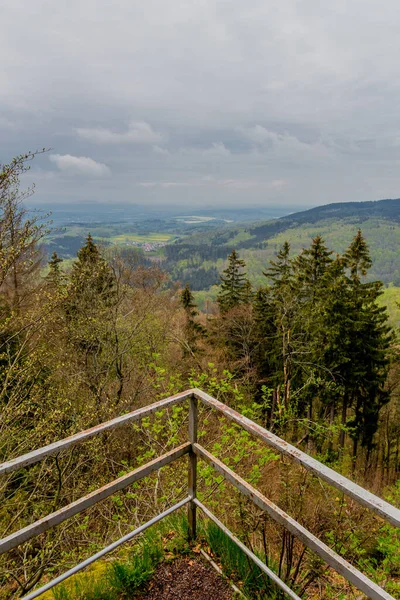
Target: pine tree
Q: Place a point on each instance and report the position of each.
(234, 288)
(312, 273)
(55, 274)
(311, 266)
(280, 271)
(91, 316)
(275, 309)
(357, 258)
(193, 329)
(367, 367)
(91, 276)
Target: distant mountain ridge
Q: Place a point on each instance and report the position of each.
(389, 208)
(361, 211)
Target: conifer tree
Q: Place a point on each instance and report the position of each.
(193, 329)
(234, 288)
(91, 314)
(313, 274)
(280, 271)
(367, 366)
(91, 277)
(55, 274)
(311, 266)
(357, 258)
(276, 315)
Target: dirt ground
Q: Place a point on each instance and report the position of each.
(186, 579)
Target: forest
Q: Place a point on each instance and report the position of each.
(309, 354)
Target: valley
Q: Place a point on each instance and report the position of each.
(194, 248)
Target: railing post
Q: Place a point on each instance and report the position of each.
(192, 474)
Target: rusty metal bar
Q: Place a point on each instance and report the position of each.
(105, 551)
(192, 468)
(37, 455)
(379, 506)
(371, 589)
(85, 502)
(249, 553)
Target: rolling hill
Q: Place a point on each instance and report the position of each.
(258, 243)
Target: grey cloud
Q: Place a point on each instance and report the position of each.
(137, 133)
(165, 94)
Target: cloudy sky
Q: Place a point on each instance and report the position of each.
(203, 102)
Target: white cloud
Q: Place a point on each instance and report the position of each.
(217, 149)
(258, 134)
(81, 165)
(137, 133)
(159, 150)
(286, 146)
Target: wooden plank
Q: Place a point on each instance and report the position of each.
(85, 502)
(56, 447)
(192, 468)
(105, 551)
(374, 503)
(371, 589)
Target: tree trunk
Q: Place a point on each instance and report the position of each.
(344, 421)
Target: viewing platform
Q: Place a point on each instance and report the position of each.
(179, 572)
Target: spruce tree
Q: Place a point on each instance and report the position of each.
(357, 258)
(193, 329)
(280, 271)
(311, 267)
(234, 288)
(91, 276)
(55, 274)
(275, 309)
(91, 296)
(367, 367)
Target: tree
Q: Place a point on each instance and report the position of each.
(20, 232)
(55, 274)
(277, 316)
(234, 288)
(368, 361)
(193, 329)
(91, 313)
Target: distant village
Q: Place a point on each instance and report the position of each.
(148, 246)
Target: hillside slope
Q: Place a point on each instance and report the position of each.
(258, 243)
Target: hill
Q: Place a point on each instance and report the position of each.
(258, 243)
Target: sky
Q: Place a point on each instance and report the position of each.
(205, 102)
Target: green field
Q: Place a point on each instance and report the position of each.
(391, 299)
(142, 238)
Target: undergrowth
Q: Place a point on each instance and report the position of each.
(238, 567)
(125, 576)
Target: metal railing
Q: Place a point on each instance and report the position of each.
(194, 450)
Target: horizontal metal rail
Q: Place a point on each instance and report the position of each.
(110, 548)
(56, 447)
(374, 503)
(249, 553)
(371, 589)
(365, 498)
(59, 516)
